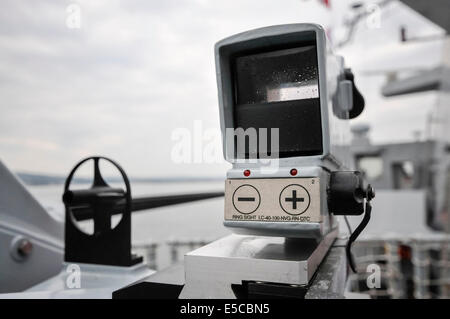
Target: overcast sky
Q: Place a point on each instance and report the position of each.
(137, 70)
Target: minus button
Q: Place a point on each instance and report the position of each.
(246, 199)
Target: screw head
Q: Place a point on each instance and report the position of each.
(24, 248)
(21, 248)
(370, 192)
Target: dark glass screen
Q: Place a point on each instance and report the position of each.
(279, 89)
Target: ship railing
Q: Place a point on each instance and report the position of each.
(409, 268)
(153, 252)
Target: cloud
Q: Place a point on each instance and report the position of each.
(119, 86)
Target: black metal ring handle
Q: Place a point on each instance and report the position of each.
(99, 190)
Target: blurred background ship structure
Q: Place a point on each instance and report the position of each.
(409, 236)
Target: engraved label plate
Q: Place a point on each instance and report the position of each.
(273, 200)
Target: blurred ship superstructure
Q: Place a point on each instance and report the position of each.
(408, 236)
(415, 259)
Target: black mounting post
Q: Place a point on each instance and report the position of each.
(105, 246)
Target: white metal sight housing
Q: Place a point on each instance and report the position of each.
(282, 77)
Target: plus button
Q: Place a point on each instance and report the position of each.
(294, 199)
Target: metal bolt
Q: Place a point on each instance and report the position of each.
(21, 248)
(24, 248)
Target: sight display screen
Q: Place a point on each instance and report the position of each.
(282, 75)
(280, 89)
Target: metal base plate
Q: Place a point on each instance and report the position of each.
(212, 269)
